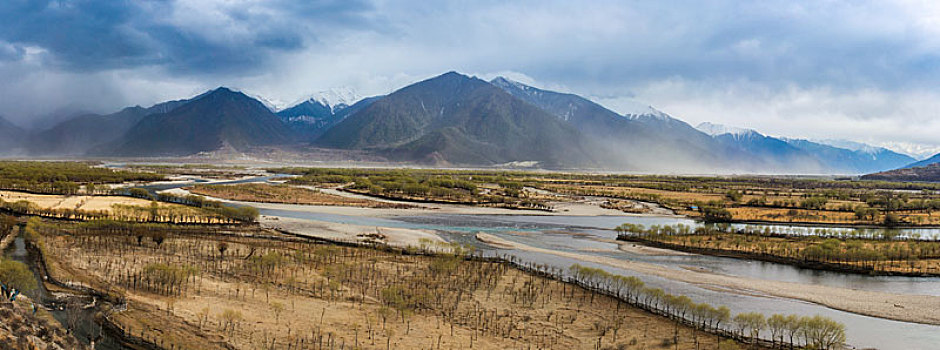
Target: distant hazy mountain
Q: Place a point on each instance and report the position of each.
(809, 156)
(639, 140)
(46, 121)
(719, 129)
(457, 119)
(11, 137)
(932, 160)
(79, 135)
(929, 172)
(925, 170)
(218, 119)
(779, 152)
(450, 119)
(848, 144)
(860, 159)
(314, 116)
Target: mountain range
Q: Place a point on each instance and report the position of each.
(932, 160)
(929, 172)
(11, 136)
(925, 170)
(638, 140)
(312, 117)
(453, 120)
(219, 119)
(858, 159)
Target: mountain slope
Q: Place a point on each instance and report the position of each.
(61, 114)
(848, 161)
(457, 119)
(313, 117)
(932, 160)
(221, 118)
(809, 156)
(929, 172)
(11, 137)
(773, 149)
(79, 135)
(640, 140)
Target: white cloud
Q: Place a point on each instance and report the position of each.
(869, 115)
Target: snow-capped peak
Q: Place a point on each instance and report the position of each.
(336, 98)
(632, 110)
(851, 145)
(635, 110)
(917, 150)
(504, 82)
(718, 129)
(271, 106)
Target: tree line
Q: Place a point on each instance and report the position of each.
(66, 178)
(817, 332)
(230, 212)
(853, 249)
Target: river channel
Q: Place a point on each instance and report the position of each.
(593, 235)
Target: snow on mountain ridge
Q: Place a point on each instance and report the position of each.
(917, 150)
(270, 105)
(633, 110)
(336, 97)
(719, 129)
(851, 145)
(506, 82)
(628, 109)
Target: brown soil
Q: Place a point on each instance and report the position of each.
(20, 329)
(265, 193)
(901, 307)
(262, 292)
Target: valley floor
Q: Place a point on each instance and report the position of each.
(566, 208)
(920, 309)
(263, 293)
(909, 308)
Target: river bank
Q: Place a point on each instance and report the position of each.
(864, 331)
(908, 308)
(583, 208)
(81, 310)
(396, 237)
(750, 255)
(336, 295)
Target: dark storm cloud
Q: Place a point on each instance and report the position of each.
(82, 35)
(597, 44)
(100, 35)
(860, 69)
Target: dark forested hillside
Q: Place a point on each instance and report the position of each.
(221, 118)
(935, 159)
(457, 119)
(311, 118)
(640, 139)
(930, 172)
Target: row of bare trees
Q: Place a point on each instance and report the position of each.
(846, 249)
(817, 332)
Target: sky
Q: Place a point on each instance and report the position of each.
(867, 71)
